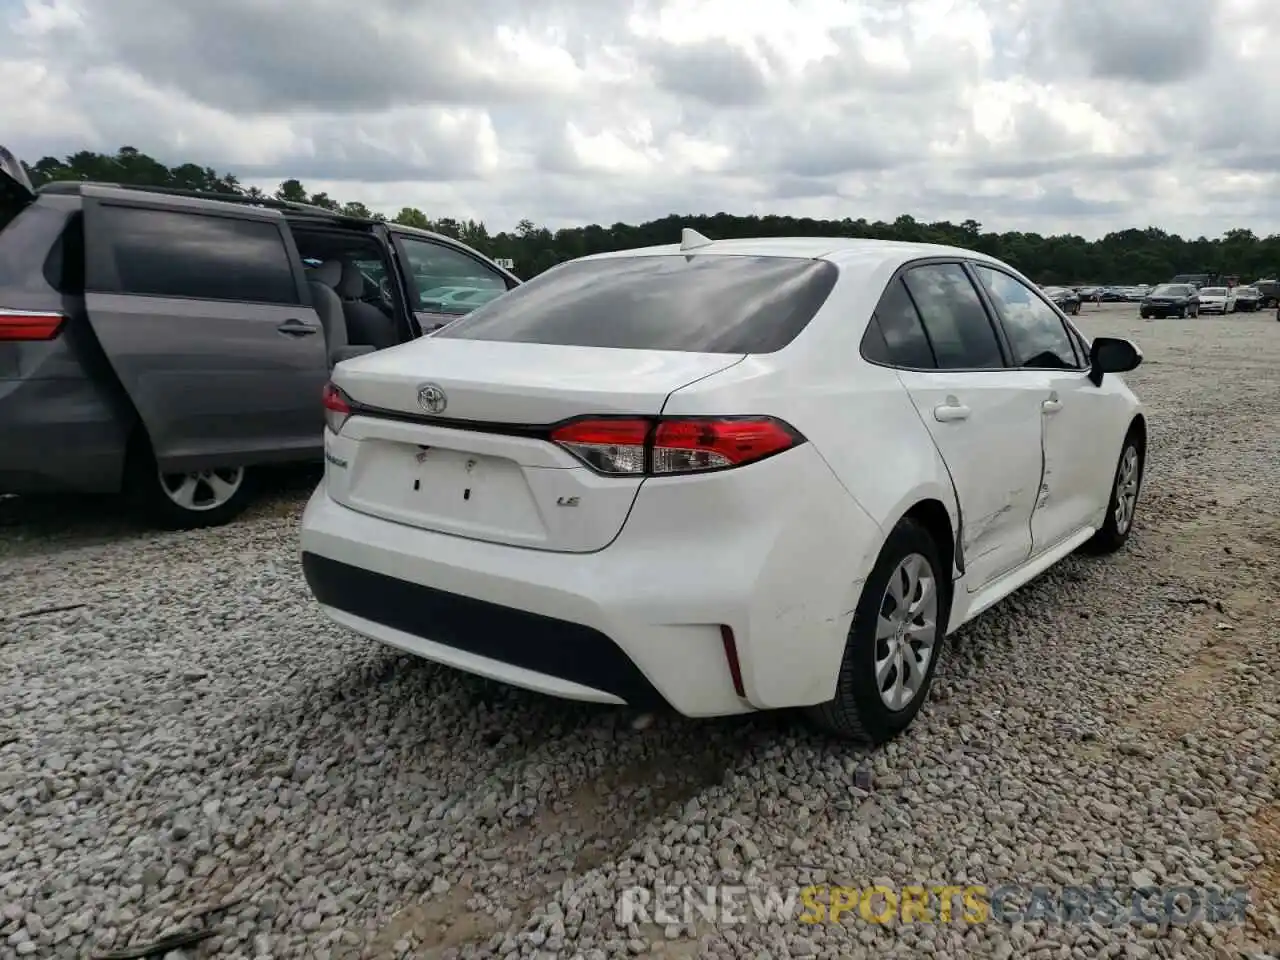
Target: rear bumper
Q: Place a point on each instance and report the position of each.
(638, 622)
(555, 656)
(59, 436)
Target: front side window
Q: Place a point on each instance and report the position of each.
(168, 253)
(954, 318)
(1035, 331)
(447, 280)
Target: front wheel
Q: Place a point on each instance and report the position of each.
(893, 643)
(1123, 502)
(191, 500)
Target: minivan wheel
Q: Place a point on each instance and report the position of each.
(1123, 503)
(894, 641)
(189, 501)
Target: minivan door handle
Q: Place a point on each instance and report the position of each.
(1052, 405)
(951, 411)
(297, 328)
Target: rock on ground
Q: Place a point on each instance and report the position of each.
(194, 732)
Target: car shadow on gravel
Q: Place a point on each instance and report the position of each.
(42, 524)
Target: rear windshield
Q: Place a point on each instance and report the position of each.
(702, 304)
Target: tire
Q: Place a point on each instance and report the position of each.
(1116, 527)
(859, 711)
(1144, 315)
(212, 504)
(1181, 314)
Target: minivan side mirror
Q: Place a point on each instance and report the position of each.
(1112, 355)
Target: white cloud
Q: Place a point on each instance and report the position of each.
(1044, 115)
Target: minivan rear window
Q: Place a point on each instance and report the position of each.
(702, 304)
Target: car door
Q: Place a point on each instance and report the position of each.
(983, 420)
(446, 282)
(1083, 423)
(201, 309)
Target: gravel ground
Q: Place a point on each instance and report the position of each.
(188, 731)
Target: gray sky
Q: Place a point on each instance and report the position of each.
(1046, 115)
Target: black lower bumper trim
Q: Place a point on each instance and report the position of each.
(557, 648)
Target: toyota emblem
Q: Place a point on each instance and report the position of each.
(431, 398)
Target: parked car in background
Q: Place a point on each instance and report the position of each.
(1136, 294)
(1065, 299)
(1111, 295)
(1248, 299)
(887, 438)
(1171, 300)
(1221, 300)
(1269, 291)
(166, 344)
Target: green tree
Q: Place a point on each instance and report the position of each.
(1136, 255)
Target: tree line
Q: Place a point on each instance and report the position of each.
(1136, 255)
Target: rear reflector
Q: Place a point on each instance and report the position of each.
(621, 446)
(26, 325)
(337, 408)
(731, 657)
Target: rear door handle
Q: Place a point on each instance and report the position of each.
(1050, 407)
(297, 328)
(951, 411)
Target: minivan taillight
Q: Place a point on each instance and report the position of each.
(27, 325)
(667, 446)
(337, 408)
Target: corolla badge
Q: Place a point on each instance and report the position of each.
(431, 398)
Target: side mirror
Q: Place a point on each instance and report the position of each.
(1112, 355)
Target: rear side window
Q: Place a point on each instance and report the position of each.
(702, 304)
(896, 336)
(954, 317)
(167, 253)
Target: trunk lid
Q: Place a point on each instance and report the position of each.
(470, 457)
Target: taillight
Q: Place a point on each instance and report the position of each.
(675, 445)
(607, 446)
(19, 325)
(337, 408)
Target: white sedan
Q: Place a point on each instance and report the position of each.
(1217, 300)
(723, 476)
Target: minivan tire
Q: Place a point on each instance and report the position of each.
(858, 711)
(146, 489)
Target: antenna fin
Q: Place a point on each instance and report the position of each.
(692, 239)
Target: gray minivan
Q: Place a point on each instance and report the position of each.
(164, 343)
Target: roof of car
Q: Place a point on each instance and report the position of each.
(838, 249)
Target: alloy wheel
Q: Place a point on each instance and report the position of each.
(204, 489)
(906, 631)
(1127, 478)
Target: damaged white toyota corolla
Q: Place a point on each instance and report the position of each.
(725, 476)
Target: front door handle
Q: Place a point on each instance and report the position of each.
(951, 411)
(297, 328)
(1050, 407)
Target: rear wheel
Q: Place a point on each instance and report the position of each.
(187, 501)
(894, 642)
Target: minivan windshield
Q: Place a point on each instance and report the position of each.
(703, 304)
